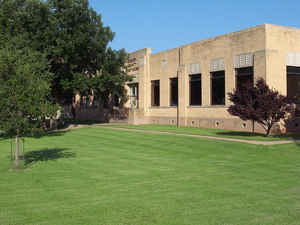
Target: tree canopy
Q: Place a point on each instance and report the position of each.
(24, 90)
(259, 103)
(50, 51)
(75, 42)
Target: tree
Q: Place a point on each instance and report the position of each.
(24, 90)
(74, 40)
(260, 104)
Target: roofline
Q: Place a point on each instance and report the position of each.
(261, 26)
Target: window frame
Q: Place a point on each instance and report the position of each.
(155, 88)
(172, 79)
(212, 78)
(245, 74)
(292, 72)
(190, 88)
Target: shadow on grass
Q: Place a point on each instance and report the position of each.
(47, 155)
(88, 122)
(241, 134)
(55, 133)
(295, 137)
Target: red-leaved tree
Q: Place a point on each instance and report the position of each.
(260, 104)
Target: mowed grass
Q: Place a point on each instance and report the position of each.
(212, 132)
(94, 176)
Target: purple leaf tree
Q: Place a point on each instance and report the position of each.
(259, 104)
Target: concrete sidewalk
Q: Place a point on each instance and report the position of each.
(266, 143)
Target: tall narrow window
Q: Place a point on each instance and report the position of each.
(155, 96)
(173, 91)
(134, 95)
(218, 88)
(293, 83)
(244, 76)
(195, 90)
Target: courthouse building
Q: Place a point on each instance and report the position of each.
(188, 85)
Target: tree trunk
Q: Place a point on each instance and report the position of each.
(253, 126)
(11, 150)
(73, 111)
(268, 131)
(17, 150)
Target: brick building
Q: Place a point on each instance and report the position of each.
(189, 84)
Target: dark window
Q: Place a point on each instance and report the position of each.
(244, 76)
(195, 90)
(218, 88)
(116, 101)
(293, 83)
(155, 96)
(173, 91)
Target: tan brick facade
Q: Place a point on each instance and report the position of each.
(264, 47)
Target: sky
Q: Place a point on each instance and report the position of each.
(167, 24)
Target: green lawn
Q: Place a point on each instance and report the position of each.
(98, 176)
(211, 132)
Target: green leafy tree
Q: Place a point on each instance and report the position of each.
(74, 40)
(24, 90)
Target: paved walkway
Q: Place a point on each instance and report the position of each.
(203, 136)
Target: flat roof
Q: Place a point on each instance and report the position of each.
(257, 27)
